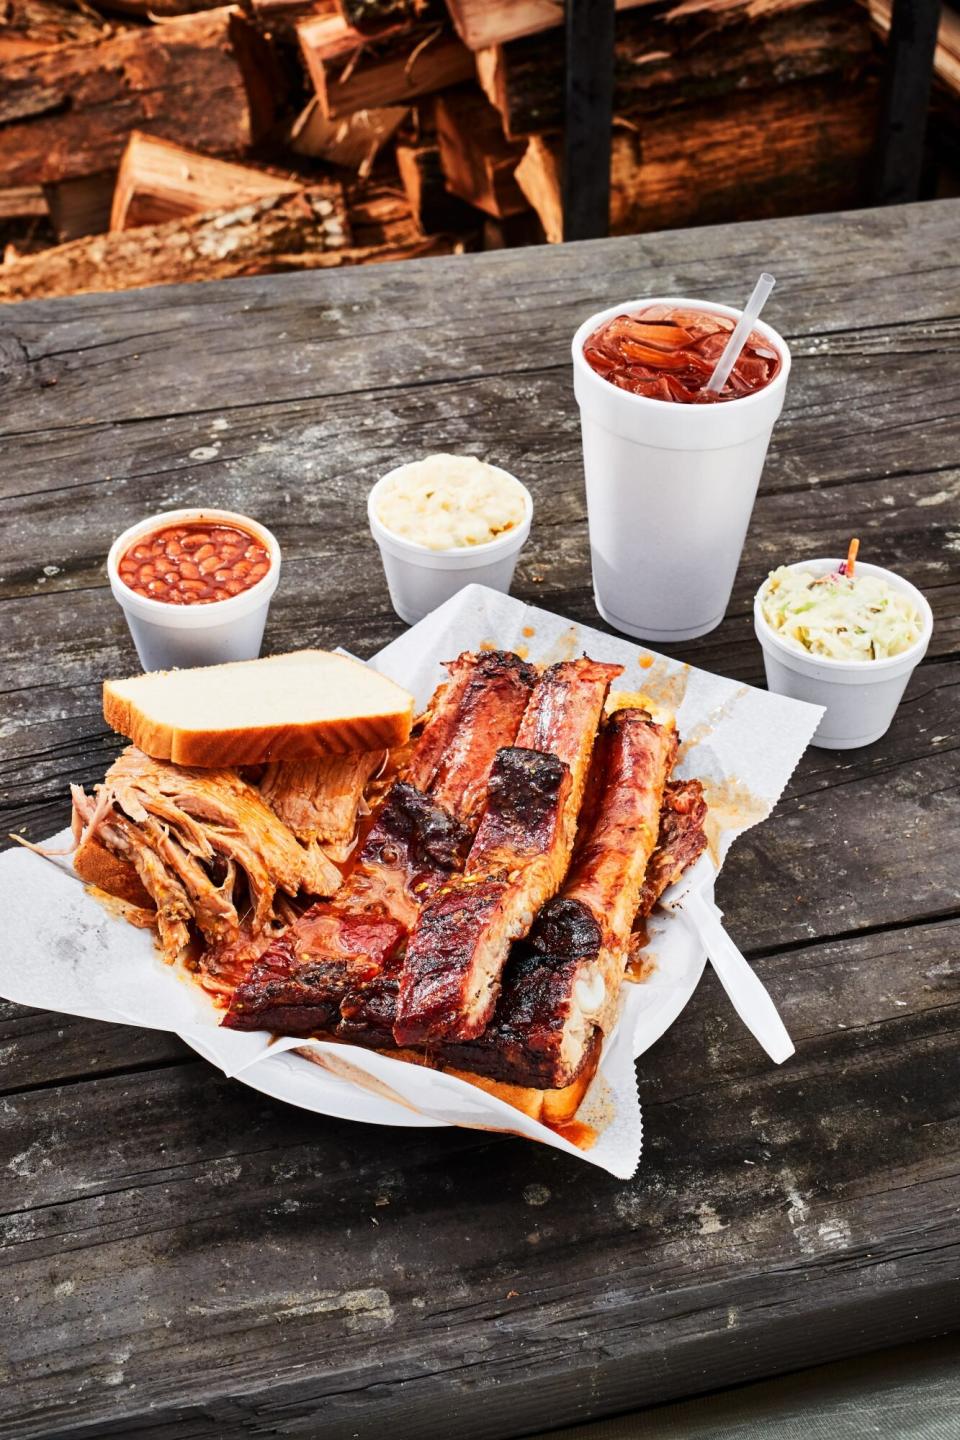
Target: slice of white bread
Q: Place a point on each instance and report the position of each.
(284, 707)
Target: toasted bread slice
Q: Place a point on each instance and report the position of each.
(551, 1107)
(96, 865)
(285, 707)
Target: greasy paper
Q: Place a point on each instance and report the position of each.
(63, 951)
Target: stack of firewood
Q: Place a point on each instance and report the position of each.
(152, 141)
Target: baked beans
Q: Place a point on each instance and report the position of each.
(193, 563)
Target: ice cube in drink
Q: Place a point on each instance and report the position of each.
(666, 353)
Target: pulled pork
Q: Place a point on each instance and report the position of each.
(320, 800)
(192, 835)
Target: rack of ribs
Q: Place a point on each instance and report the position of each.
(539, 1035)
(416, 843)
(562, 984)
(460, 943)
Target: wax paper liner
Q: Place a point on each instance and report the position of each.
(62, 950)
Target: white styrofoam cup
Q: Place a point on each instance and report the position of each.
(419, 579)
(177, 636)
(670, 489)
(861, 696)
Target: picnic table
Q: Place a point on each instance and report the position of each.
(185, 1257)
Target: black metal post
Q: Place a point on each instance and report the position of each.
(906, 95)
(589, 118)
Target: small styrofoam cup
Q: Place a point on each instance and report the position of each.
(670, 489)
(860, 696)
(419, 579)
(176, 636)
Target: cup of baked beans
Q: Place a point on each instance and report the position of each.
(195, 586)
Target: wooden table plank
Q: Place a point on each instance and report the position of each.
(123, 357)
(247, 1232)
(184, 1257)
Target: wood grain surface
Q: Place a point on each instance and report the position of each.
(183, 1257)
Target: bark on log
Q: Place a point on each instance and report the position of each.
(434, 208)
(162, 9)
(28, 25)
(283, 232)
(280, 16)
(660, 66)
(68, 111)
(478, 162)
(367, 75)
(374, 14)
(159, 181)
(294, 232)
(798, 149)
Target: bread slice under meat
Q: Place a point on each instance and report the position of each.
(550, 1107)
(283, 707)
(96, 865)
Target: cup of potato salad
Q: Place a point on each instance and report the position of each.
(446, 522)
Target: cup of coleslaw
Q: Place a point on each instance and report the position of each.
(850, 649)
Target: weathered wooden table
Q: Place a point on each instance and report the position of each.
(185, 1258)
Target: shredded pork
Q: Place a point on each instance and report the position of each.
(320, 800)
(192, 835)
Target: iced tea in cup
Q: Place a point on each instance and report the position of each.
(671, 471)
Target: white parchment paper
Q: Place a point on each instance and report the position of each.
(61, 950)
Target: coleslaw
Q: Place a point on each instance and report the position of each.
(859, 617)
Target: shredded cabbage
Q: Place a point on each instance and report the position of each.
(863, 618)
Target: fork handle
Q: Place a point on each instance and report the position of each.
(746, 992)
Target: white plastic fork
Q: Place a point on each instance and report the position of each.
(749, 998)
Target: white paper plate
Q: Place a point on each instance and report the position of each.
(62, 951)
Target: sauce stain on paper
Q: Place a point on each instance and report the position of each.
(566, 647)
(665, 681)
(640, 966)
(730, 806)
(704, 728)
(578, 1133)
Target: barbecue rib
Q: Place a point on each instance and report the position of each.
(508, 1050)
(473, 715)
(190, 834)
(681, 840)
(562, 984)
(414, 846)
(456, 952)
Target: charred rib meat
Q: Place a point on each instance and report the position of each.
(414, 846)
(562, 984)
(457, 950)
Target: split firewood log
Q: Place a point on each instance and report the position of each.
(352, 141)
(662, 65)
(306, 231)
(68, 111)
(478, 162)
(351, 71)
(159, 181)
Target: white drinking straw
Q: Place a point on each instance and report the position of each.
(738, 339)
